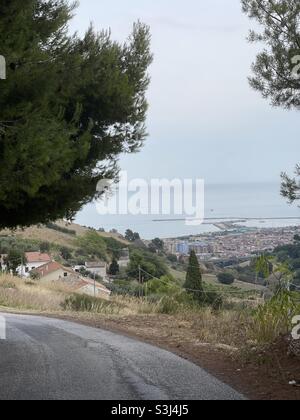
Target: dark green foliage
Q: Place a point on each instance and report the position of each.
(226, 278)
(124, 288)
(290, 187)
(158, 244)
(290, 256)
(297, 238)
(262, 266)
(83, 303)
(296, 281)
(172, 258)
(68, 108)
(295, 264)
(66, 253)
(131, 236)
(45, 247)
(114, 268)
(35, 275)
(152, 248)
(14, 259)
(212, 297)
(16, 243)
(92, 245)
(292, 251)
(282, 256)
(163, 286)
(276, 71)
(149, 263)
(114, 247)
(273, 71)
(249, 274)
(193, 282)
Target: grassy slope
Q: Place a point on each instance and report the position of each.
(44, 234)
(212, 279)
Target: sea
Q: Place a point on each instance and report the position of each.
(261, 201)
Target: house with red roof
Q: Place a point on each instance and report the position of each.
(33, 260)
(54, 272)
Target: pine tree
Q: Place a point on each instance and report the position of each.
(15, 259)
(277, 68)
(68, 108)
(114, 268)
(193, 282)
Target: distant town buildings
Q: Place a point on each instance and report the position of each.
(182, 248)
(232, 244)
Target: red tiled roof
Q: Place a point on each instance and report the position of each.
(33, 257)
(51, 267)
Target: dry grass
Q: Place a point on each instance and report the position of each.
(201, 324)
(39, 233)
(225, 327)
(15, 293)
(235, 328)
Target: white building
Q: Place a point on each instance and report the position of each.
(124, 259)
(91, 288)
(54, 272)
(33, 260)
(97, 268)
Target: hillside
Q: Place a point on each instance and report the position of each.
(213, 280)
(44, 233)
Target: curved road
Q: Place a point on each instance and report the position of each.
(49, 359)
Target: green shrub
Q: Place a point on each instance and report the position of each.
(274, 318)
(168, 305)
(176, 303)
(226, 278)
(212, 297)
(93, 245)
(35, 275)
(164, 285)
(125, 288)
(85, 303)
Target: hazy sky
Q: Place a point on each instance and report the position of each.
(204, 120)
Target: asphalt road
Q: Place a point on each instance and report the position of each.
(48, 359)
